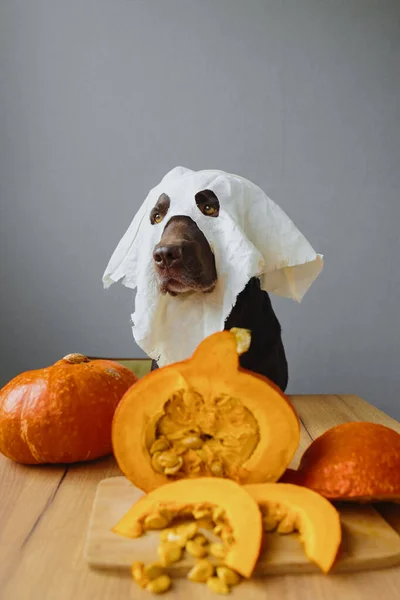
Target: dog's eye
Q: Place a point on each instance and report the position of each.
(157, 218)
(208, 203)
(209, 210)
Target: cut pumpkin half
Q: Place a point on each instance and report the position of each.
(203, 417)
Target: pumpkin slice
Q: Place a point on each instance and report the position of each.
(352, 461)
(291, 507)
(241, 511)
(205, 416)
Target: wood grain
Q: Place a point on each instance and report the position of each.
(44, 515)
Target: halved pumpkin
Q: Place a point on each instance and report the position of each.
(241, 510)
(352, 461)
(290, 507)
(205, 416)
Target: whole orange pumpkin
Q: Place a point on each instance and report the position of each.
(62, 413)
(355, 461)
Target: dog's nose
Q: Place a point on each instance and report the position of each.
(168, 256)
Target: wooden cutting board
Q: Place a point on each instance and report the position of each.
(369, 542)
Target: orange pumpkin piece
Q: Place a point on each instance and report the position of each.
(204, 417)
(353, 461)
(290, 507)
(62, 413)
(240, 508)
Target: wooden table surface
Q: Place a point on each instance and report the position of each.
(44, 513)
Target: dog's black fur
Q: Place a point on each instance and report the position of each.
(266, 356)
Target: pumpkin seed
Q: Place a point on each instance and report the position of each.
(201, 512)
(167, 459)
(180, 449)
(175, 468)
(202, 454)
(218, 513)
(155, 521)
(227, 575)
(153, 571)
(192, 441)
(217, 468)
(277, 511)
(178, 539)
(287, 525)
(223, 400)
(168, 514)
(179, 434)
(166, 535)
(201, 571)
(137, 571)
(217, 586)
(187, 530)
(180, 534)
(269, 523)
(155, 462)
(217, 550)
(159, 585)
(196, 550)
(159, 445)
(169, 552)
(227, 536)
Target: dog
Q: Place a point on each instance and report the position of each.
(203, 252)
(184, 263)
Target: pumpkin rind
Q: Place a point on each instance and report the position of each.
(213, 372)
(316, 518)
(353, 461)
(62, 413)
(240, 508)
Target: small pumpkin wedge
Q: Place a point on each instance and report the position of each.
(290, 507)
(205, 416)
(241, 511)
(353, 461)
(62, 413)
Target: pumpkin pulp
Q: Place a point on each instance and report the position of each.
(211, 435)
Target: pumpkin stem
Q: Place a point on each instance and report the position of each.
(75, 358)
(243, 339)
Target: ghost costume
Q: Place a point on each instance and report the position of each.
(251, 237)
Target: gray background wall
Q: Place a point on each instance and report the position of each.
(99, 99)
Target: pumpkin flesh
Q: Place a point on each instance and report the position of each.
(217, 418)
(240, 508)
(313, 516)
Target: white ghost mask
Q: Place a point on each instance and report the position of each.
(251, 237)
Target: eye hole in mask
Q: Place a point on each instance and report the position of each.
(207, 203)
(160, 209)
